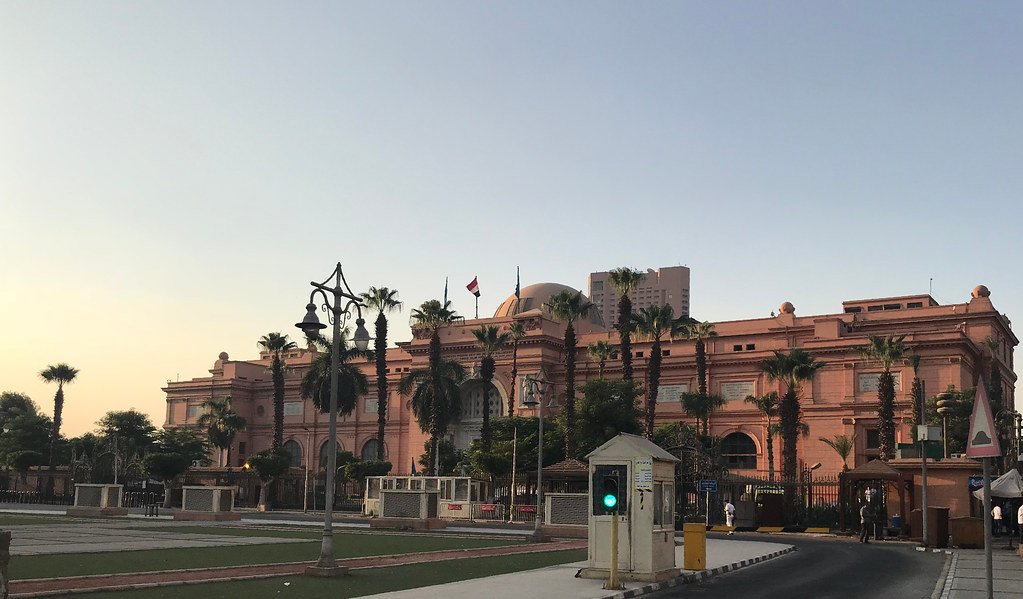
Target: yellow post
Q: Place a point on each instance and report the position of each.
(694, 546)
(612, 583)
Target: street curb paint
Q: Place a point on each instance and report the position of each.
(698, 576)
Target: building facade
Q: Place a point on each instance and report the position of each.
(841, 399)
(668, 285)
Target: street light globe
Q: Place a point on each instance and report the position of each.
(310, 324)
(361, 336)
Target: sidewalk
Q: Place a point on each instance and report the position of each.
(966, 575)
(559, 581)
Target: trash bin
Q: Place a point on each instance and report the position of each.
(897, 522)
(694, 546)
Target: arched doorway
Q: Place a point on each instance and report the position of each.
(324, 453)
(293, 449)
(470, 423)
(369, 450)
(739, 451)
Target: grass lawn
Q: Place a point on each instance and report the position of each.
(345, 545)
(361, 582)
(231, 531)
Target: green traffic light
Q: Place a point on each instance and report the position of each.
(610, 500)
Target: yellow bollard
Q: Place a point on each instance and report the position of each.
(612, 583)
(694, 546)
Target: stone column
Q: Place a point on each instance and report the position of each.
(5, 558)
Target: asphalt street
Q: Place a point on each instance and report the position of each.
(826, 568)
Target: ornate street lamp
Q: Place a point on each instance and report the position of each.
(946, 403)
(338, 302)
(537, 390)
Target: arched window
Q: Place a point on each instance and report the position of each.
(324, 454)
(295, 451)
(739, 451)
(369, 450)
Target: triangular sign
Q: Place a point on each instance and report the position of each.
(982, 441)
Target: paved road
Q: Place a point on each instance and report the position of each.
(827, 568)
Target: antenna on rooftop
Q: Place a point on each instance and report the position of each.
(930, 287)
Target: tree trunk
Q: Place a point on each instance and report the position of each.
(58, 411)
(381, 359)
(886, 415)
(653, 383)
(701, 366)
(789, 416)
(168, 486)
(570, 445)
(515, 377)
(227, 459)
(277, 373)
(770, 453)
(487, 373)
(263, 495)
(435, 399)
(625, 334)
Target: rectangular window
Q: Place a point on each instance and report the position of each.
(665, 352)
(598, 286)
(639, 354)
(751, 346)
(893, 306)
(658, 506)
(874, 308)
(853, 310)
(293, 408)
(241, 447)
(193, 411)
(915, 305)
(737, 347)
(873, 439)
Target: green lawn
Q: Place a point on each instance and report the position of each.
(345, 545)
(231, 531)
(361, 582)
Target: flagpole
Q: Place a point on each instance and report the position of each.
(477, 307)
(515, 443)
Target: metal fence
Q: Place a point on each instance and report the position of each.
(36, 497)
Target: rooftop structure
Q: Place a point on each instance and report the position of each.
(668, 285)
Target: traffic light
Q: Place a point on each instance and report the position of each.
(610, 488)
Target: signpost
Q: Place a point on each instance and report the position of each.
(982, 443)
(708, 486)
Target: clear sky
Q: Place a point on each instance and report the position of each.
(172, 175)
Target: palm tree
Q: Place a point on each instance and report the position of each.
(568, 306)
(276, 344)
(700, 332)
(700, 406)
(917, 390)
(601, 351)
(488, 339)
(351, 382)
(438, 398)
(886, 350)
(768, 406)
(517, 332)
(843, 446)
(221, 423)
(625, 280)
(62, 374)
(655, 322)
(793, 369)
(383, 300)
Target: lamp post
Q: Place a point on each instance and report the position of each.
(810, 472)
(338, 302)
(537, 388)
(945, 406)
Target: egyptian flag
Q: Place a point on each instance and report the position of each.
(474, 287)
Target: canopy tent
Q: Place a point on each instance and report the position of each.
(1008, 485)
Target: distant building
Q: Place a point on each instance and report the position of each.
(668, 285)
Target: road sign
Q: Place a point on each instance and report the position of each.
(644, 474)
(708, 485)
(982, 442)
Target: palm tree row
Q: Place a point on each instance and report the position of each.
(568, 307)
(383, 300)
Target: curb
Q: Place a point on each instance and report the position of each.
(946, 590)
(698, 576)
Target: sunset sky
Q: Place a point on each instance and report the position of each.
(172, 175)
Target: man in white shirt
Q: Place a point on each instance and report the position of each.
(1019, 519)
(730, 516)
(996, 516)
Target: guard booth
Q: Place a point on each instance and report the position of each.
(632, 480)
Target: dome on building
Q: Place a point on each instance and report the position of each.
(223, 356)
(787, 308)
(981, 291)
(533, 297)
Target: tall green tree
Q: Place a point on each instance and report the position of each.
(222, 424)
(700, 406)
(383, 300)
(792, 369)
(886, 350)
(277, 344)
(654, 322)
(351, 382)
(569, 306)
(489, 339)
(269, 465)
(843, 446)
(601, 351)
(517, 333)
(13, 405)
(625, 280)
(917, 390)
(62, 374)
(700, 332)
(133, 429)
(435, 400)
(172, 455)
(607, 409)
(25, 434)
(767, 404)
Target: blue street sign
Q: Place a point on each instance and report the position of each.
(708, 485)
(974, 483)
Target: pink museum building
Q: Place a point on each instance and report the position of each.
(840, 400)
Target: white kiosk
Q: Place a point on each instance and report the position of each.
(635, 479)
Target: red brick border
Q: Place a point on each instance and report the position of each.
(105, 582)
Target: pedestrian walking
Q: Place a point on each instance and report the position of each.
(730, 516)
(866, 522)
(996, 516)
(1019, 520)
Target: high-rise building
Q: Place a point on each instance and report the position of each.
(668, 285)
